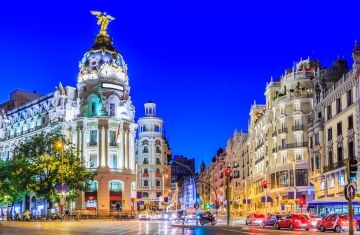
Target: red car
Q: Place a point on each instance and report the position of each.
(255, 219)
(293, 222)
(314, 221)
(335, 222)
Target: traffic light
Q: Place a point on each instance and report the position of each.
(228, 172)
(302, 201)
(353, 168)
(264, 184)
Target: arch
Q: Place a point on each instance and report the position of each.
(116, 186)
(93, 105)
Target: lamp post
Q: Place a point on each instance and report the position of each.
(60, 146)
(228, 173)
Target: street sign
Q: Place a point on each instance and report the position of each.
(349, 191)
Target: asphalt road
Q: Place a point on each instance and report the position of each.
(131, 228)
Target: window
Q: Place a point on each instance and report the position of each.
(145, 149)
(158, 183)
(340, 154)
(158, 150)
(297, 125)
(330, 158)
(283, 144)
(93, 186)
(146, 183)
(349, 97)
(93, 137)
(329, 134)
(317, 162)
(146, 171)
(93, 109)
(282, 179)
(312, 165)
(158, 162)
(328, 111)
(114, 161)
(299, 157)
(297, 106)
(322, 185)
(341, 180)
(338, 105)
(350, 122)
(301, 177)
(112, 135)
(317, 139)
(158, 194)
(282, 110)
(331, 183)
(116, 186)
(146, 161)
(145, 194)
(339, 129)
(351, 150)
(112, 109)
(93, 160)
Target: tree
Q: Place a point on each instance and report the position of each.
(47, 166)
(13, 181)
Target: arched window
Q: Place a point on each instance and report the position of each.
(145, 149)
(116, 186)
(157, 171)
(158, 183)
(146, 161)
(146, 183)
(145, 194)
(93, 186)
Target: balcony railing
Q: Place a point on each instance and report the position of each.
(334, 166)
(282, 130)
(298, 128)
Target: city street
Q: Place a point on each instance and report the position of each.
(131, 227)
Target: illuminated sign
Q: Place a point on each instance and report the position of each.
(113, 86)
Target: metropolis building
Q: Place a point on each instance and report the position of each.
(97, 116)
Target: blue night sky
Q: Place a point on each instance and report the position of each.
(202, 62)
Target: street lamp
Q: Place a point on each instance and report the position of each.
(59, 145)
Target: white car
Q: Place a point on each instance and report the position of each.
(144, 216)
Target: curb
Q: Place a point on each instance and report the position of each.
(208, 226)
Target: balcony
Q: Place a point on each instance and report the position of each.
(145, 174)
(158, 175)
(113, 144)
(116, 170)
(334, 166)
(282, 130)
(259, 160)
(298, 128)
(92, 144)
(293, 145)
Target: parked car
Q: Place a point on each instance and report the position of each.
(296, 221)
(336, 222)
(271, 220)
(315, 220)
(255, 219)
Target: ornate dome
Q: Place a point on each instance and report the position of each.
(102, 61)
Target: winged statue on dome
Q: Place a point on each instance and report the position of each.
(103, 19)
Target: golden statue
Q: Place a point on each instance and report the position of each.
(103, 20)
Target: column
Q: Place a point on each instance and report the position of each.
(132, 150)
(121, 150)
(106, 145)
(103, 147)
(126, 152)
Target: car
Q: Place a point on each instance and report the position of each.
(144, 216)
(336, 223)
(271, 220)
(255, 219)
(314, 220)
(296, 221)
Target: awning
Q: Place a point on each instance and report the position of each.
(332, 201)
(115, 198)
(90, 197)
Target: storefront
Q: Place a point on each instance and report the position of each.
(337, 206)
